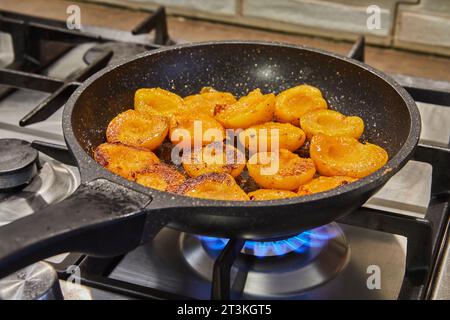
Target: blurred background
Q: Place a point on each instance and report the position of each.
(422, 25)
(404, 36)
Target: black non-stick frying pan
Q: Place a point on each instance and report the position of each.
(109, 215)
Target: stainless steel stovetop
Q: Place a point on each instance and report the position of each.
(341, 272)
(346, 267)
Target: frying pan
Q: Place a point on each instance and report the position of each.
(109, 215)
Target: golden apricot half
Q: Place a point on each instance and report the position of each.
(124, 160)
(321, 184)
(331, 123)
(160, 176)
(271, 194)
(281, 135)
(216, 186)
(138, 129)
(285, 170)
(157, 101)
(254, 108)
(206, 102)
(346, 156)
(215, 157)
(293, 103)
(186, 128)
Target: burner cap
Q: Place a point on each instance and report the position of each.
(18, 163)
(120, 51)
(36, 282)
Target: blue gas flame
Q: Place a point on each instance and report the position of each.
(315, 238)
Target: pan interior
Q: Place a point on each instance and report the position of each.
(239, 68)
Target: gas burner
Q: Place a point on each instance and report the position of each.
(36, 282)
(52, 183)
(275, 268)
(299, 243)
(120, 51)
(18, 164)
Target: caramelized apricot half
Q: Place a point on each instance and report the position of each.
(346, 156)
(190, 128)
(207, 101)
(160, 176)
(216, 186)
(293, 103)
(137, 129)
(271, 194)
(281, 135)
(331, 123)
(215, 157)
(254, 108)
(157, 101)
(124, 160)
(285, 170)
(321, 184)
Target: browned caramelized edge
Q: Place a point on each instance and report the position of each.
(168, 173)
(191, 183)
(102, 157)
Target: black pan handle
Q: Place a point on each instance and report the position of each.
(100, 218)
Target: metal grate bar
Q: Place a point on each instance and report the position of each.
(419, 246)
(57, 99)
(55, 151)
(220, 289)
(357, 51)
(425, 90)
(129, 289)
(54, 30)
(25, 80)
(157, 22)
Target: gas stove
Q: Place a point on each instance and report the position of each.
(393, 247)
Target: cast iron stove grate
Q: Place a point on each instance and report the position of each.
(37, 43)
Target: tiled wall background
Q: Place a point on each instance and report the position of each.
(420, 25)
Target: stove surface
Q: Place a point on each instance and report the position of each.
(160, 264)
(53, 183)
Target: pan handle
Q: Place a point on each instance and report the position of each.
(100, 218)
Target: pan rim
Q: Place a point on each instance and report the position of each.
(379, 177)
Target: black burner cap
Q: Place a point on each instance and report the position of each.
(18, 163)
